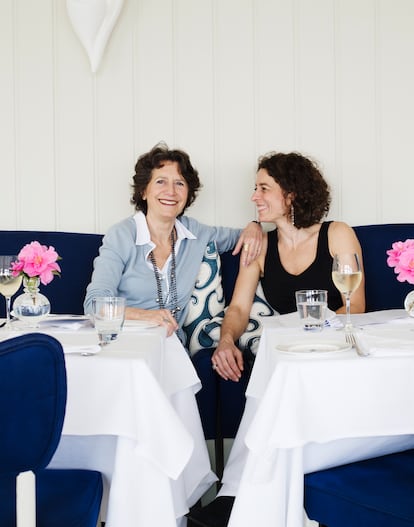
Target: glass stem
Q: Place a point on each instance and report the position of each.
(8, 299)
(348, 324)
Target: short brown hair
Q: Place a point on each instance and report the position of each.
(156, 158)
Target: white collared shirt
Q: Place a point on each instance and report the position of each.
(143, 237)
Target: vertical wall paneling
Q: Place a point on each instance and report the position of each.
(234, 131)
(9, 202)
(194, 96)
(75, 138)
(227, 81)
(316, 81)
(336, 174)
(274, 76)
(114, 124)
(397, 107)
(35, 114)
(356, 57)
(377, 166)
(154, 74)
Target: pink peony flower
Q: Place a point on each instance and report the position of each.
(37, 260)
(401, 257)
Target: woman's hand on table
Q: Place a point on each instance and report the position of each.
(161, 317)
(249, 243)
(227, 361)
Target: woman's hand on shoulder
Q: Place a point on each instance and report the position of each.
(249, 243)
(161, 317)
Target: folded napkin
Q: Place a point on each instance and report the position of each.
(387, 342)
(81, 342)
(386, 316)
(82, 350)
(70, 322)
(133, 325)
(292, 320)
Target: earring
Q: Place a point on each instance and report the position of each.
(292, 215)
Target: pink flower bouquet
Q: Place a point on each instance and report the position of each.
(401, 257)
(37, 260)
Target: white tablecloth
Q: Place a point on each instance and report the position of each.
(131, 414)
(305, 413)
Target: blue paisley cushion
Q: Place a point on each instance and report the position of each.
(207, 301)
(249, 341)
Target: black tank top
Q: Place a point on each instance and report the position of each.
(279, 286)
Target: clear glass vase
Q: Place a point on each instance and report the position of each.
(31, 307)
(409, 303)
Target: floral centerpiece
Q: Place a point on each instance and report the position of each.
(401, 257)
(36, 263)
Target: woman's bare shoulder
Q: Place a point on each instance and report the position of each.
(342, 236)
(339, 226)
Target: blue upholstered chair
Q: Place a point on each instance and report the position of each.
(377, 492)
(77, 250)
(32, 410)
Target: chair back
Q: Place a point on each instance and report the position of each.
(32, 401)
(77, 250)
(375, 492)
(382, 289)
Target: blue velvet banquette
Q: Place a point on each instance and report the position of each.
(221, 402)
(77, 252)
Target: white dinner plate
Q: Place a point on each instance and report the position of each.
(139, 324)
(314, 347)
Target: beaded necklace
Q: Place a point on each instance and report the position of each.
(173, 280)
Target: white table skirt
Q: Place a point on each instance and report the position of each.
(306, 414)
(136, 487)
(132, 414)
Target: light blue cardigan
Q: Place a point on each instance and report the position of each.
(121, 269)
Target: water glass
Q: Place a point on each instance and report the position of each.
(311, 305)
(108, 316)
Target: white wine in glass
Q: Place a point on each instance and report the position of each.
(9, 284)
(346, 275)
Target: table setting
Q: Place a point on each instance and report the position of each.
(325, 390)
(131, 413)
(314, 402)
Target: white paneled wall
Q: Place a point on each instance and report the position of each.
(226, 80)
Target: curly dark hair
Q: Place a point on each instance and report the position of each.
(156, 158)
(299, 176)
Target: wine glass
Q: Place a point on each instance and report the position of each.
(346, 275)
(9, 284)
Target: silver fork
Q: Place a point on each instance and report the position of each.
(350, 338)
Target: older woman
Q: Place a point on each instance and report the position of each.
(153, 258)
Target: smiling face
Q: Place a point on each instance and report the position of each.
(167, 191)
(271, 203)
